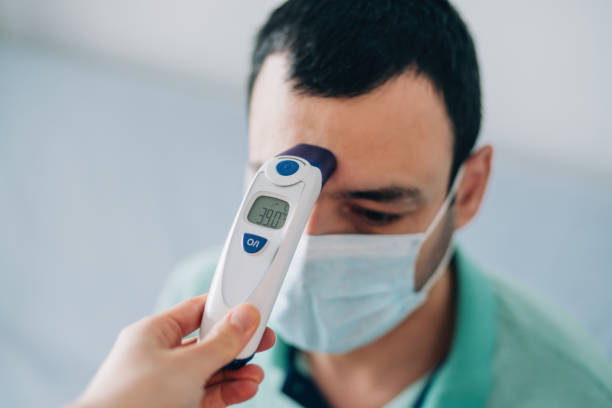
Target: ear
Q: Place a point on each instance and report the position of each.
(476, 171)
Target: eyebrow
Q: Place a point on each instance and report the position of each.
(381, 195)
(388, 194)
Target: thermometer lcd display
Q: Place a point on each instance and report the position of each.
(269, 212)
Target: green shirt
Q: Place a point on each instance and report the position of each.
(508, 349)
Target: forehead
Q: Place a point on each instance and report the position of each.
(398, 133)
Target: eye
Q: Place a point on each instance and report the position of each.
(375, 217)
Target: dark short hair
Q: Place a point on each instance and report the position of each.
(346, 48)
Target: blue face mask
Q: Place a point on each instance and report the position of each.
(344, 291)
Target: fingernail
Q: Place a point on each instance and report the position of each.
(243, 317)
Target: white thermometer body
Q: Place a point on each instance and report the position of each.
(264, 236)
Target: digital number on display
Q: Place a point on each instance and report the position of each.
(269, 212)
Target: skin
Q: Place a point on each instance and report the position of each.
(396, 138)
(150, 365)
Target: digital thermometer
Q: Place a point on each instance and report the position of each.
(264, 236)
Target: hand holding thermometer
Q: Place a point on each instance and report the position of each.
(264, 236)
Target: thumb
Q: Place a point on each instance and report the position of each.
(223, 343)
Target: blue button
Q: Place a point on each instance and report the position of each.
(287, 167)
(253, 243)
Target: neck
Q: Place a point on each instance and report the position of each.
(377, 372)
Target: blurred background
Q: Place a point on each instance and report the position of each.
(116, 115)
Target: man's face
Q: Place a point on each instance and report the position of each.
(393, 146)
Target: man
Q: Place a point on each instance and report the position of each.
(380, 308)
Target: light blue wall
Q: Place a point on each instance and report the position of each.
(110, 175)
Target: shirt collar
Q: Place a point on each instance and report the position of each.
(465, 377)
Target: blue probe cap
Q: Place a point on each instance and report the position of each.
(317, 156)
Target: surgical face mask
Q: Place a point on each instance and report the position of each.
(344, 291)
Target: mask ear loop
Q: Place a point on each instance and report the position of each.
(448, 202)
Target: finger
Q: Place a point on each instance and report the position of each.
(228, 393)
(169, 327)
(268, 339)
(250, 372)
(189, 341)
(224, 341)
